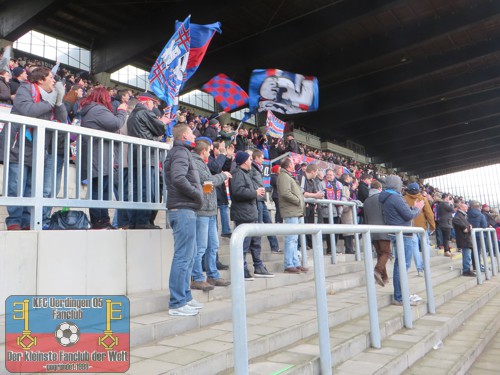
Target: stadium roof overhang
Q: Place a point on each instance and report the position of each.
(414, 81)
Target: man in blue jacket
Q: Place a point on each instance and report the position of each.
(477, 220)
(397, 212)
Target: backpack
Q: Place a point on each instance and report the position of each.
(73, 220)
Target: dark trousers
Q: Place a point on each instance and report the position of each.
(251, 245)
(277, 216)
(99, 215)
(446, 238)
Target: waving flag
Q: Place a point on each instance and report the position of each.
(274, 126)
(179, 60)
(226, 92)
(283, 92)
(201, 35)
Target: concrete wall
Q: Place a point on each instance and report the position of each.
(84, 262)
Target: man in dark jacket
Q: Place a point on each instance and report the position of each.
(244, 210)
(397, 212)
(477, 220)
(463, 230)
(184, 198)
(143, 123)
(445, 214)
(381, 241)
(19, 75)
(122, 97)
(212, 130)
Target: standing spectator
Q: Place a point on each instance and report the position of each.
(397, 212)
(19, 76)
(144, 124)
(381, 241)
(184, 198)
(477, 220)
(275, 171)
(291, 144)
(292, 208)
(244, 210)
(72, 101)
(310, 189)
(123, 96)
(29, 102)
(97, 113)
(264, 217)
(463, 231)
(212, 130)
(5, 96)
(207, 240)
(445, 214)
(424, 220)
(227, 134)
(490, 219)
(347, 216)
(241, 140)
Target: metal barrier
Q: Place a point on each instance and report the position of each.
(330, 203)
(145, 153)
(240, 337)
(493, 247)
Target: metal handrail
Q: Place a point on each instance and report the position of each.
(240, 349)
(43, 130)
(494, 252)
(331, 203)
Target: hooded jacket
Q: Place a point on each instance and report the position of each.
(394, 208)
(290, 196)
(426, 217)
(476, 218)
(373, 213)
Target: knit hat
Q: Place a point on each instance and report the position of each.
(16, 72)
(241, 157)
(413, 188)
(275, 168)
(484, 206)
(214, 121)
(206, 139)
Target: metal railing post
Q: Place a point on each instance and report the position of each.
(303, 245)
(426, 252)
(37, 171)
(403, 278)
(321, 305)
(495, 245)
(239, 302)
(371, 292)
(492, 254)
(333, 245)
(356, 235)
(485, 256)
(476, 257)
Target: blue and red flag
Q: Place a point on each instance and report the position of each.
(179, 60)
(283, 92)
(226, 92)
(274, 126)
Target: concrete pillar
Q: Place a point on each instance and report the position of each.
(104, 78)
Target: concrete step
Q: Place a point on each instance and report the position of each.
(487, 362)
(209, 350)
(351, 353)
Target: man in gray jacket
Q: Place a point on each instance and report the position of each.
(381, 242)
(207, 240)
(184, 198)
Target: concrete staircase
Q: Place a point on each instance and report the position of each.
(282, 326)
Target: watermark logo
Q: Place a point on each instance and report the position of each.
(67, 334)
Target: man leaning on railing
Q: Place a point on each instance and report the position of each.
(31, 100)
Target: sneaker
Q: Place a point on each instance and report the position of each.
(99, 224)
(248, 275)
(469, 273)
(276, 251)
(420, 273)
(292, 270)
(262, 272)
(447, 254)
(194, 304)
(14, 227)
(378, 278)
(226, 235)
(146, 226)
(303, 269)
(400, 303)
(218, 282)
(415, 297)
(185, 310)
(201, 285)
(221, 267)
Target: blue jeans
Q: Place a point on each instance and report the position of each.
(291, 243)
(251, 245)
(408, 251)
(224, 219)
(466, 259)
(183, 224)
(207, 243)
(48, 183)
(141, 216)
(264, 217)
(416, 252)
(19, 215)
(99, 214)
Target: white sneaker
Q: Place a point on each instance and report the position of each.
(415, 298)
(195, 304)
(183, 311)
